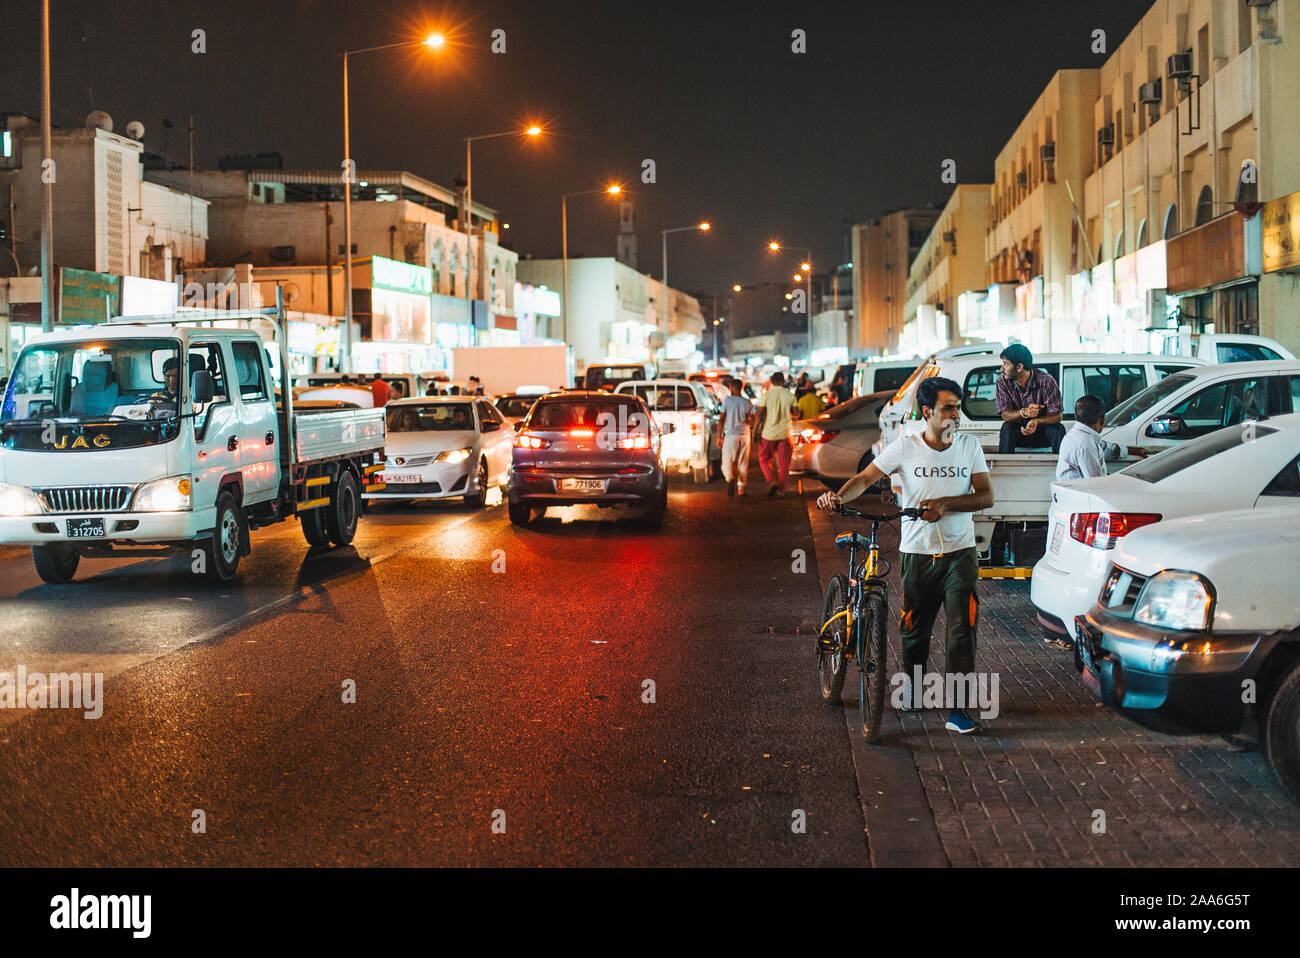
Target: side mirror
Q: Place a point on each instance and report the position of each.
(519, 425)
(201, 386)
(1167, 426)
(489, 425)
(667, 428)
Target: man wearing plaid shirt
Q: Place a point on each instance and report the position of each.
(1029, 401)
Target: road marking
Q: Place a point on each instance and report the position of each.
(900, 826)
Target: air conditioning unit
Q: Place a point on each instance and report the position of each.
(284, 254)
(1260, 3)
(1179, 66)
(1022, 179)
(1150, 92)
(1047, 152)
(950, 237)
(1106, 136)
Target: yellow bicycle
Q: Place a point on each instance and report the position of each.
(855, 616)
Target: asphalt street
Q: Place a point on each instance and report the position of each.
(580, 692)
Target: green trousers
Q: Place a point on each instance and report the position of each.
(931, 583)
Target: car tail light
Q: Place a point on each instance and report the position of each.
(582, 433)
(634, 442)
(818, 435)
(1103, 530)
(697, 424)
(528, 441)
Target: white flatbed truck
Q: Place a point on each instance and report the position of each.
(108, 450)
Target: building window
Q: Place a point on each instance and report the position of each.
(1119, 245)
(1205, 206)
(1142, 234)
(1171, 222)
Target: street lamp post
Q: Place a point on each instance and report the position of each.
(663, 237)
(47, 214)
(469, 210)
(434, 40)
(564, 254)
(806, 268)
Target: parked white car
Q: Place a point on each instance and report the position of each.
(1252, 466)
(1197, 627)
(1110, 377)
(1195, 402)
(836, 444)
(1225, 347)
(441, 447)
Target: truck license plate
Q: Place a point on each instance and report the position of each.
(588, 486)
(85, 528)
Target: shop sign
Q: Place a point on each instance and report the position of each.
(1281, 233)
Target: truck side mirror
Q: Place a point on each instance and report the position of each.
(201, 386)
(1167, 426)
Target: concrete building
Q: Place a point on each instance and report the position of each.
(277, 218)
(780, 347)
(949, 262)
(1195, 113)
(883, 251)
(615, 313)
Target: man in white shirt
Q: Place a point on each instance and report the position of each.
(737, 413)
(1083, 451)
(944, 474)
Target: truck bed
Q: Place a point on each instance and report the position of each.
(334, 433)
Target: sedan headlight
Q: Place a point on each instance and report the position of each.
(453, 455)
(16, 500)
(163, 495)
(1175, 600)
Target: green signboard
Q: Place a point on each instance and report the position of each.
(88, 297)
(403, 277)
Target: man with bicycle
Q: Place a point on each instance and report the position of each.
(944, 474)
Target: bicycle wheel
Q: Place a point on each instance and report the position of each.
(833, 665)
(873, 673)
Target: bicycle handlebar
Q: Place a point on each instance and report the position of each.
(880, 517)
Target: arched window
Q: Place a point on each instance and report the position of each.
(1100, 258)
(1205, 206)
(1119, 245)
(1142, 234)
(1171, 222)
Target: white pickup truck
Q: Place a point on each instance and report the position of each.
(164, 435)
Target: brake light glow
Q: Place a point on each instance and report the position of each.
(697, 424)
(634, 442)
(1104, 530)
(818, 435)
(582, 433)
(528, 441)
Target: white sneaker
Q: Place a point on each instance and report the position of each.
(907, 696)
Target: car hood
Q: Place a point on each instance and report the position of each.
(414, 443)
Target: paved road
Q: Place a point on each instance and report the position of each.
(500, 677)
(521, 691)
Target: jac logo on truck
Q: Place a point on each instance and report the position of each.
(99, 442)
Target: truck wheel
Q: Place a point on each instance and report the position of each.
(1281, 729)
(313, 527)
(343, 511)
(520, 513)
(55, 564)
(224, 548)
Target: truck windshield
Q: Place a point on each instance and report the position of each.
(93, 394)
(598, 376)
(1140, 402)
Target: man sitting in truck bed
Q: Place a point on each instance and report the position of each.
(1029, 401)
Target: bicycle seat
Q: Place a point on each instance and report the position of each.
(854, 539)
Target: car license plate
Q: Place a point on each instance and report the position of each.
(587, 486)
(1058, 536)
(397, 478)
(85, 528)
(1085, 636)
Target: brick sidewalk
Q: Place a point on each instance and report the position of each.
(1026, 792)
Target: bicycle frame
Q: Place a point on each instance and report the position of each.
(869, 576)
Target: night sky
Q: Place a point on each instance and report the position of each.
(761, 141)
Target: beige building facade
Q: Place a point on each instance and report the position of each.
(949, 262)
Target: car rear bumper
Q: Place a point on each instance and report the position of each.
(1168, 680)
(1062, 595)
(542, 487)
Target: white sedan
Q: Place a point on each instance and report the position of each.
(444, 447)
(1253, 465)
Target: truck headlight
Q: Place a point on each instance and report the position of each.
(1175, 600)
(163, 495)
(16, 500)
(453, 455)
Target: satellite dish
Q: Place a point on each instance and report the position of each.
(135, 130)
(99, 120)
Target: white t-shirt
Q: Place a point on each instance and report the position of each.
(929, 474)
